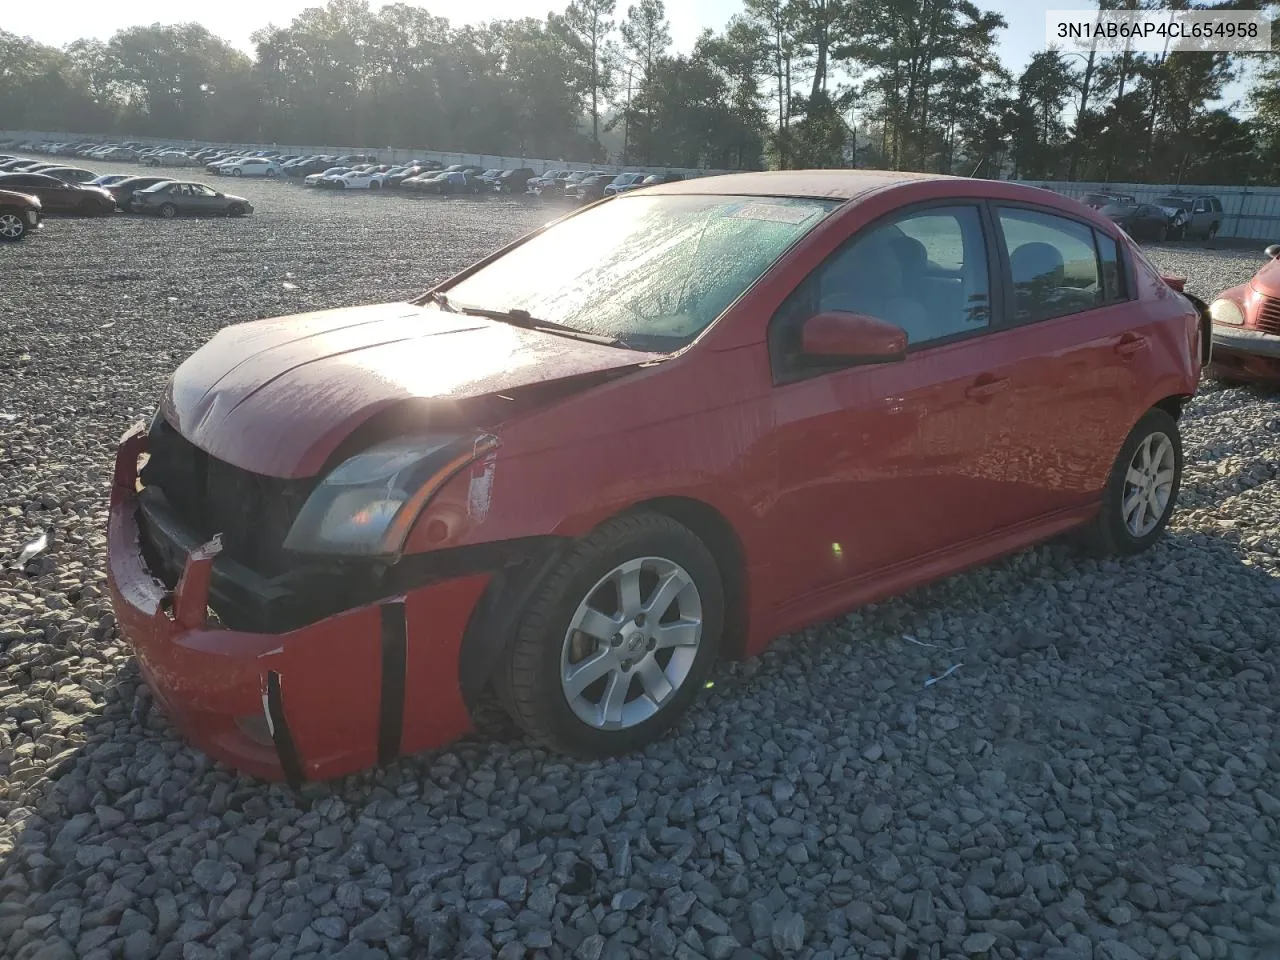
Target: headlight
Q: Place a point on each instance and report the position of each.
(1226, 312)
(368, 504)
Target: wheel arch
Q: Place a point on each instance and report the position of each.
(714, 529)
(493, 622)
(1172, 405)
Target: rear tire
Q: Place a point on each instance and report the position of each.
(168, 211)
(13, 225)
(1142, 490)
(651, 647)
(1213, 232)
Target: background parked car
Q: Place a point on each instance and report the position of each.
(357, 180)
(1178, 212)
(20, 213)
(1246, 327)
(592, 188)
(449, 182)
(305, 168)
(536, 183)
(1097, 201)
(514, 181)
(1206, 217)
(170, 158)
(58, 196)
(70, 174)
(1142, 221)
(396, 179)
(622, 181)
(313, 179)
(251, 167)
(124, 190)
(172, 198)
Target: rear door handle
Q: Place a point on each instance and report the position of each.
(985, 387)
(1130, 343)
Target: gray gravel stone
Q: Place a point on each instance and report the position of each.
(1115, 721)
(788, 932)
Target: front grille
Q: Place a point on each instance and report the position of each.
(253, 513)
(1269, 315)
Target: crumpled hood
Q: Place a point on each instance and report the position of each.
(1267, 280)
(278, 396)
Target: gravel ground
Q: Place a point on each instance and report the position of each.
(1100, 779)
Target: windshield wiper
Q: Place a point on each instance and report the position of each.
(523, 319)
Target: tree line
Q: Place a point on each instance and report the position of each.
(898, 84)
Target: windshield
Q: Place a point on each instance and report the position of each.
(1172, 202)
(653, 272)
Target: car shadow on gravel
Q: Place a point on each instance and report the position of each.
(1105, 757)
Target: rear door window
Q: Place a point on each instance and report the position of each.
(1053, 264)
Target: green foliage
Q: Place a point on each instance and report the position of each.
(782, 83)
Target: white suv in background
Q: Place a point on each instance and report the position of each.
(251, 167)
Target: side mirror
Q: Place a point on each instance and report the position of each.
(839, 337)
(1273, 251)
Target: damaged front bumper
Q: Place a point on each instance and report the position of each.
(1246, 354)
(316, 702)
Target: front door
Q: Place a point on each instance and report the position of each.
(881, 464)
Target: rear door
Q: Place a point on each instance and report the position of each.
(1074, 348)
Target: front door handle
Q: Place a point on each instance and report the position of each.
(1130, 343)
(986, 387)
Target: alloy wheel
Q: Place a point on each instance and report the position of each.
(11, 226)
(631, 643)
(1148, 485)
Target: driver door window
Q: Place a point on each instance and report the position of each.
(924, 271)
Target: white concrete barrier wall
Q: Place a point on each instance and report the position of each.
(384, 154)
(1248, 213)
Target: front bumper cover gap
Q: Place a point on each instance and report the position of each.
(391, 701)
(286, 750)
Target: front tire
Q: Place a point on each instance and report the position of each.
(1142, 490)
(618, 640)
(237, 173)
(13, 225)
(235, 210)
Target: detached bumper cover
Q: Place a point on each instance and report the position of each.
(1240, 340)
(330, 697)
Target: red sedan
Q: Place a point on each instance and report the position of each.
(659, 431)
(1246, 327)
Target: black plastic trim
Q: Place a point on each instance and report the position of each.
(495, 617)
(286, 750)
(391, 701)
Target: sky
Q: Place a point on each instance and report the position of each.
(235, 20)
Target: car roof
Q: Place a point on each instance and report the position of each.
(825, 184)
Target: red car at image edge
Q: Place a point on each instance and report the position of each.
(1246, 327)
(659, 431)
